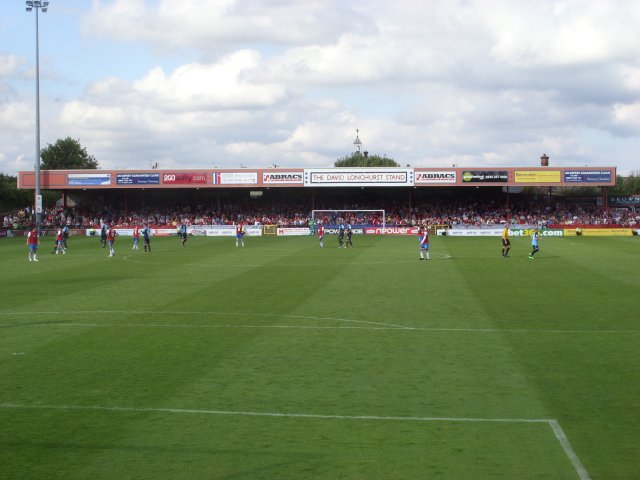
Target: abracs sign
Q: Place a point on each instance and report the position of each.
(270, 178)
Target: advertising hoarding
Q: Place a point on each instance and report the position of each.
(391, 230)
(138, 179)
(235, 178)
(274, 178)
(485, 176)
(600, 232)
(435, 177)
(178, 178)
(292, 231)
(230, 231)
(358, 177)
(537, 176)
(587, 176)
(88, 179)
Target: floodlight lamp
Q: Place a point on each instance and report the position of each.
(45, 4)
(43, 9)
(29, 9)
(29, 3)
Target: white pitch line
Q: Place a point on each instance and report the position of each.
(235, 314)
(277, 414)
(555, 426)
(382, 327)
(568, 450)
(378, 325)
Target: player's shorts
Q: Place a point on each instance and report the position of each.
(424, 246)
(239, 235)
(147, 241)
(535, 246)
(60, 242)
(505, 242)
(320, 237)
(33, 247)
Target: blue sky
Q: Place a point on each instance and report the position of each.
(198, 83)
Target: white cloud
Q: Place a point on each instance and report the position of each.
(185, 23)
(199, 86)
(10, 65)
(627, 117)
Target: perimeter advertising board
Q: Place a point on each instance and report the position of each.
(600, 232)
(235, 178)
(230, 231)
(587, 176)
(435, 177)
(292, 231)
(537, 176)
(180, 178)
(88, 179)
(138, 179)
(358, 177)
(278, 178)
(391, 230)
(497, 232)
(485, 176)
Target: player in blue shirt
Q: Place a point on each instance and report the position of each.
(341, 236)
(534, 243)
(183, 234)
(146, 233)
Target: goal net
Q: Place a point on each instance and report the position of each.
(354, 217)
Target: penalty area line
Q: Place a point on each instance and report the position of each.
(555, 426)
(275, 414)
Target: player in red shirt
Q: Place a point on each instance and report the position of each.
(423, 237)
(111, 237)
(32, 244)
(136, 237)
(60, 242)
(239, 233)
(320, 229)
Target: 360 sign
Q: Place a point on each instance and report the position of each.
(184, 178)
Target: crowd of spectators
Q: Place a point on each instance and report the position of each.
(455, 213)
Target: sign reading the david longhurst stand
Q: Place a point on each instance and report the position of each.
(485, 176)
(358, 177)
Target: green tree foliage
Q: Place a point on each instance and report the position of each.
(358, 160)
(68, 154)
(12, 198)
(627, 185)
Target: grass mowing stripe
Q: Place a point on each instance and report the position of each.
(555, 426)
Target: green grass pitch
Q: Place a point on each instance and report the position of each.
(286, 361)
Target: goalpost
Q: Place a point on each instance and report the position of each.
(336, 215)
